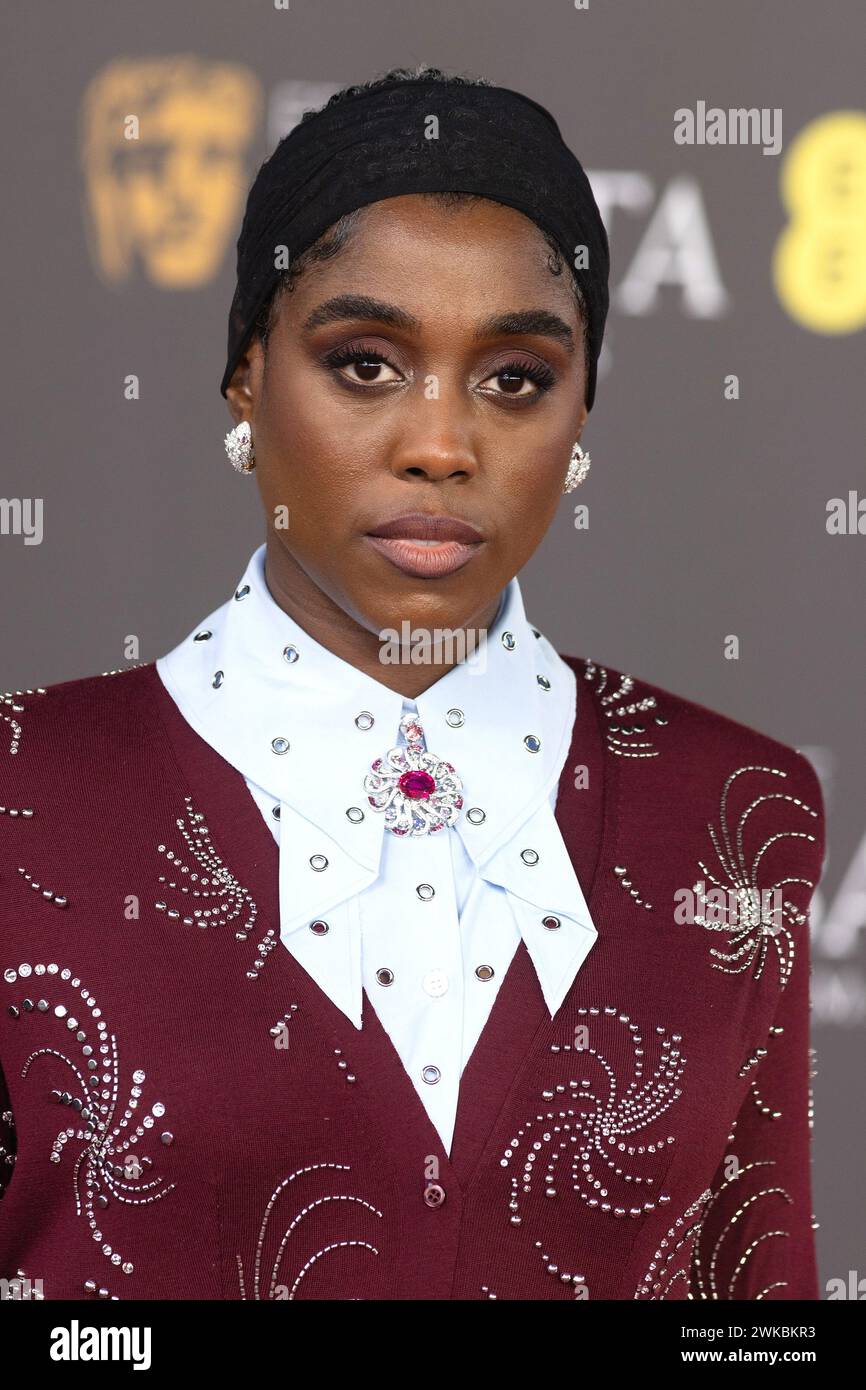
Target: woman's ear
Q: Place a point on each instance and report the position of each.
(243, 389)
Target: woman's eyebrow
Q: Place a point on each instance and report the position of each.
(361, 306)
(516, 321)
(540, 321)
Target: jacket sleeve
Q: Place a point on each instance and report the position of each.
(757, 1233)
(7, 1136)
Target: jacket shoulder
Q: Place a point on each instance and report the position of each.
(43, 704)
(674, 755)
(642, 720)
(49, 731)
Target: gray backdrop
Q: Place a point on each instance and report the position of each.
(708, 516)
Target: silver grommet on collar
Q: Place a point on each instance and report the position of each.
(290, 654)
(431, 1075)
(319, 928)
(529, 856)
(203, 635)
(364, 720)
(508, 641)
(242, 592)
(543, 682)
(455, 717)
(425, 892)
(484, 972)
(275, 811)
(217, 679)
(280, 745)
(551, 922)
(476, 816)
(318, 862)
(355, 815)
(385, 976)
(532, 742)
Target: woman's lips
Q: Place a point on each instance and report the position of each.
(425, 559)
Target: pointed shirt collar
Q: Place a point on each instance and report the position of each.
(294, 718)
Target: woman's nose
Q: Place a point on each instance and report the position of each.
(437, 445)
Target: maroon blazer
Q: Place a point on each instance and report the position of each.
(178, 1124)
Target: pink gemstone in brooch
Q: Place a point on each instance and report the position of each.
(418, 792)
(416, 785)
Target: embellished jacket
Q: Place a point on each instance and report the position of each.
(176, 1126)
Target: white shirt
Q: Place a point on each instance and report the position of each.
(283, 712)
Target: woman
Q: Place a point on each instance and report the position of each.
(368, 947)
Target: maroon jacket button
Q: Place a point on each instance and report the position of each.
(434, 1195)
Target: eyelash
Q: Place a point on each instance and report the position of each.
(541, 375)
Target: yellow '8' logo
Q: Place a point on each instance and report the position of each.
(819, 264)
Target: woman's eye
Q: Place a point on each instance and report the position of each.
(524, 381)
(367, 368)
(372, 369)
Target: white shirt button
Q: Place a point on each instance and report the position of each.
(435, 982)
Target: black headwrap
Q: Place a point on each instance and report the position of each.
(491, 141)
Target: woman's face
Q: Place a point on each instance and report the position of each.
(455, 390)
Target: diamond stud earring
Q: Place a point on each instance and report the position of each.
(577, 468)
(239, 447)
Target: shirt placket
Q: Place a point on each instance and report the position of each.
(412, 968)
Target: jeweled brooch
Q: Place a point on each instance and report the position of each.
(418, 792)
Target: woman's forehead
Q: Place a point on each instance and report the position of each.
(417, 245)
(450, 214)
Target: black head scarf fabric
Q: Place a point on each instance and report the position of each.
(492, 141)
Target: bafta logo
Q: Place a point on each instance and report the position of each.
(163, 145)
